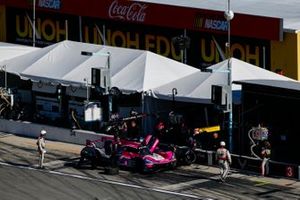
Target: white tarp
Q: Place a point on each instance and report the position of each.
(8, 50)
(197, 86)
(130, 69)
(193, 88)
(243, 71)
(134, 70)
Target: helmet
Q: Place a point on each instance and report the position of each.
(222, 143)
(43, 132)
(160, 126)
(133, 113)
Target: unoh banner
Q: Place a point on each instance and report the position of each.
(50, 27)
(206, 48)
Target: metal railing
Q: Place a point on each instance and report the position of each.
(289, 170)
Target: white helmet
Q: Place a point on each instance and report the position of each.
(43, 132)
(222, 143)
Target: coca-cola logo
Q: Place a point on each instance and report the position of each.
(132, 12)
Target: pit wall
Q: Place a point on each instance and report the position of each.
(32, 130)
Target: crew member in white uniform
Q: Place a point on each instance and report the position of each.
(41, 143)
(223, 158)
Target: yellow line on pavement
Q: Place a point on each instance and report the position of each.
(261, 183)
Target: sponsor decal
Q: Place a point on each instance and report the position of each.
(210, 23)
(52, 4)
(216, 25)
(134, 12)
(47, 29)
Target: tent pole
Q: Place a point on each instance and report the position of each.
(143, 111)
(229, 16)
(33, 27)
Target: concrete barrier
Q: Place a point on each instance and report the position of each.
(32, 130)
(298, 172)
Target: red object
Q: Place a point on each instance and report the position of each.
(146, 157)
(160, 126)
(289, 171)
(201, 20)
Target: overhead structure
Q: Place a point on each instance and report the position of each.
(196, 87)
(131, 70)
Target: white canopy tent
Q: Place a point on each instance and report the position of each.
(130, 70)
(243, 71)
(194, 88)
(197, 86)
(8, 50)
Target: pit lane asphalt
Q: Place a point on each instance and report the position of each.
(196, 179)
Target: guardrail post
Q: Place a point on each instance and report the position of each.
(209, 157)
(298, 172)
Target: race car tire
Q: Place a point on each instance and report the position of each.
(93, 163)
(140, 166)
(79, 163)
(173, 165)
(190, 157)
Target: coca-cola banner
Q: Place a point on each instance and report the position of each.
(194, 19)
(134, 12)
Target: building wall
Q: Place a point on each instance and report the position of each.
(285, 55)
(2, 24)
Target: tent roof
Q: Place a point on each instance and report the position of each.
(150, 70)
(291, 85)
(243, 71)
(192, 88)
(8, 50)
(197, 86)
(130, 69)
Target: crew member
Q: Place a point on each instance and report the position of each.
(223, 158)
(265, 154)
(160, 132)
(41, 148)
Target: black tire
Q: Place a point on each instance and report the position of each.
(173, 165)
(79, 163)
(190, 157)
(93, 163)
(140, 166)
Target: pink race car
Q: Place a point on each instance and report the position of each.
(146, 156)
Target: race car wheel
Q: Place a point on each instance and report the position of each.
(190, 157)
(140, 165)
(81, 160)
(173, 165)
(93, 163)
